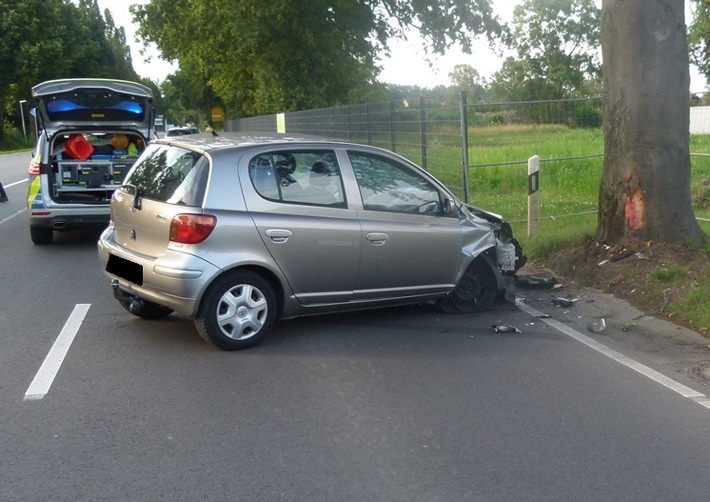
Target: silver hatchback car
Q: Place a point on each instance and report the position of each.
(237, 232)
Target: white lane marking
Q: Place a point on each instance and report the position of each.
(654, 375)
(15, 183)
(50, 367)
(12, 216)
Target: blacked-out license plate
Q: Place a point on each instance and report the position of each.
(125, 269)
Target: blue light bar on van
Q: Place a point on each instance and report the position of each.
(63, 105)
(128, 106)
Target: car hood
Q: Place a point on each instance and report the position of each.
(503, 230)
(95, 103)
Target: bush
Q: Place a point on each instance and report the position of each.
(701, 194)
(12, 139)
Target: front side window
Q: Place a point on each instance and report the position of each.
(170, 174)
(386, 185)
(298, 177)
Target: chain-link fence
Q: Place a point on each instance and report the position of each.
(479, 150)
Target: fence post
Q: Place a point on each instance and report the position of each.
(533, 187)
(393, 143)
(422, 130)
(347, 123)
(464, 146)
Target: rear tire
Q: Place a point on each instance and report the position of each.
(41, 235)
(237, 311)
(476, 291)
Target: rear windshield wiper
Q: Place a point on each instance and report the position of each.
(137, 194)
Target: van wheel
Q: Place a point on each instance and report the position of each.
(237, 311)
(476, 291)
(41, 235)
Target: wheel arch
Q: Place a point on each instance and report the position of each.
(489, 255)
(268, 275)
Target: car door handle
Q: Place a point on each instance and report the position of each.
(278, 235)
(377, 238)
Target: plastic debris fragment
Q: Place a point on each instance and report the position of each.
(535, 281)
(505, 328)
(597, 325)
(563, 302)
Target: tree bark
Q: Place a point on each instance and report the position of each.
(645, 188)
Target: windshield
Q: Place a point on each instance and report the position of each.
(170, 174)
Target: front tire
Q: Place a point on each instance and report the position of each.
(237, 311)
(476, 291)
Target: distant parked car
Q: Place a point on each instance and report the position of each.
(237, 232)
(181, 131)
(91, 131)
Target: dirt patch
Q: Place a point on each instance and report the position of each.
(648, 275)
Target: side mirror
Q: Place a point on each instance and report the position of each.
(449, 206)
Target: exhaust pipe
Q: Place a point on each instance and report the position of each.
(59, 225)
(135, 303)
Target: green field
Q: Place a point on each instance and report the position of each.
(570, 175)
(571, 163)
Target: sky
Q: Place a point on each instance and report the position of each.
(407, 64)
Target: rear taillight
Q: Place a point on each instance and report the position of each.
(191, 228)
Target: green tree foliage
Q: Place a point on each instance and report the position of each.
(262, 57)
(699, 36)
(49, 39)
(466, 78)
(557, 47)
(187, 97)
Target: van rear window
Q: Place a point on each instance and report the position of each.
(170, 174)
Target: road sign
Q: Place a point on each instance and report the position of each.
(217, 114)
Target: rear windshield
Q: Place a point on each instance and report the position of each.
(170, 174)
(96, 105)
(181, 132)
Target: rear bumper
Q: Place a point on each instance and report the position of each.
(185, 276)
(60, 222)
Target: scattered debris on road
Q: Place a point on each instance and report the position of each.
(505, 328)
(563, 302)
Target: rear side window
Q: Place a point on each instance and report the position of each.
(170, 174)
(298, 177)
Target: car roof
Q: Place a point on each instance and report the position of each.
(224, 141)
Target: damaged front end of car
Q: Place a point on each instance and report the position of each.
(495, 257)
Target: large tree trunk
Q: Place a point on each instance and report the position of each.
(645, 189)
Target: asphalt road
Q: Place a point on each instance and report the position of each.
(400, 404)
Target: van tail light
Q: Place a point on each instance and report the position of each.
(191, 228)
(35, 168)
